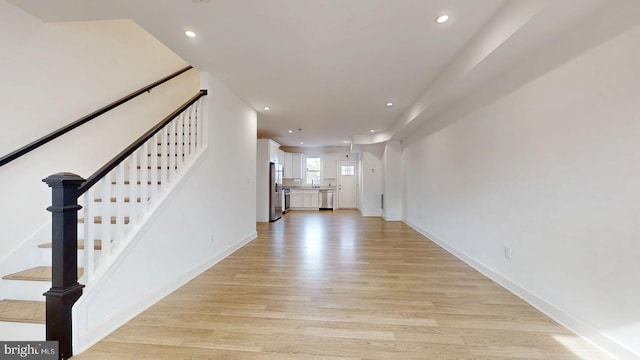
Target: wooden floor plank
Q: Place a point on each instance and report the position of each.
(339, 286)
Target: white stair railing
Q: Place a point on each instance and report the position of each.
(115, 205)
(116, 199)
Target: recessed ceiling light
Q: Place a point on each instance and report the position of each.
(267, 108)
(389, 104)
(442, 19)
(301, 142)
(346, 141)
(372, 130)
(290, 131)
(190, 33)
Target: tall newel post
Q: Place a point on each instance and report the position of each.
(65, 289)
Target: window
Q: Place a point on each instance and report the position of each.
(348, 170)
(313, 171)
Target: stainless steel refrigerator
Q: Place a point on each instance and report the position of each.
(275, 191)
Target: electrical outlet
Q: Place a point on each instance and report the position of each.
(213, 239)
(507, 252)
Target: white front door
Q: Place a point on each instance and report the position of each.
(347, 185)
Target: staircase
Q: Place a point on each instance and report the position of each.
(24, 306)
(146, 173)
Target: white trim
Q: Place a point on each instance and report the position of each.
(391, 218)
(575, 325)
(369, 214)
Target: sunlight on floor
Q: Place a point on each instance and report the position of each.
(576, 345)
(314, 246)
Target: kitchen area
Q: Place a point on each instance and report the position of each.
(292, 180)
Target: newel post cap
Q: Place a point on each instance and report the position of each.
(64, 179)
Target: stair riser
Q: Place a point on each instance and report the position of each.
(26, 290)
(45, 256)
(97, 210)
(158, 173)
(97, 230)
(12, 331)
(127, 190)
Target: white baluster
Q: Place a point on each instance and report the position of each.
(194, 128)
(133, 190)
(164, 160)
(154, 167)
(145, 164)
(189, 127)
(119, 197)
(89, 233)
(172, 150)
(179, 141)
(144, 188)
(105, 254)
(200, 123)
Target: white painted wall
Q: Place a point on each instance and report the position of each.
(392, 181)
(210, 214)
(371, 180)
(551, 171)
(52, 74)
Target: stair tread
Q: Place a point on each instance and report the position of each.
(113, 199)
(127, 182)
(97, 245)
(40, 273)
(23, 311)
(98, 220)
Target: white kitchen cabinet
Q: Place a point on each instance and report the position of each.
(329, 166)
(304, 199)
(310, 199)
(280, 157)
(274, 147)
(268, 149)
(297, 198)
(297, 167)
(288, 166)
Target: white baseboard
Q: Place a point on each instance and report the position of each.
(391, 218)
(577, 326)
(94, 335)
(370, 214)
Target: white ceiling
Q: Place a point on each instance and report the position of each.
(330, 66)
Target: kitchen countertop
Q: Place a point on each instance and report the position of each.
(311, 188)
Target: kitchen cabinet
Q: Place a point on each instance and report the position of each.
(329, 166)
(281, 157)
(310, 199)
(297, 198)
(304, 199)
(288, 166)
(269, 149)
(274, 147)
(293, 165)
(297, 168)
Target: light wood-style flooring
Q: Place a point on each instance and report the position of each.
(336, 285)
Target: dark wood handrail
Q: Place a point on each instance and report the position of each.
(65, 129)
(103, 171)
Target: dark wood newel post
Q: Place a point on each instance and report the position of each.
(65, 289)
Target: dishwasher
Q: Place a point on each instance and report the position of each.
(326, 199)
